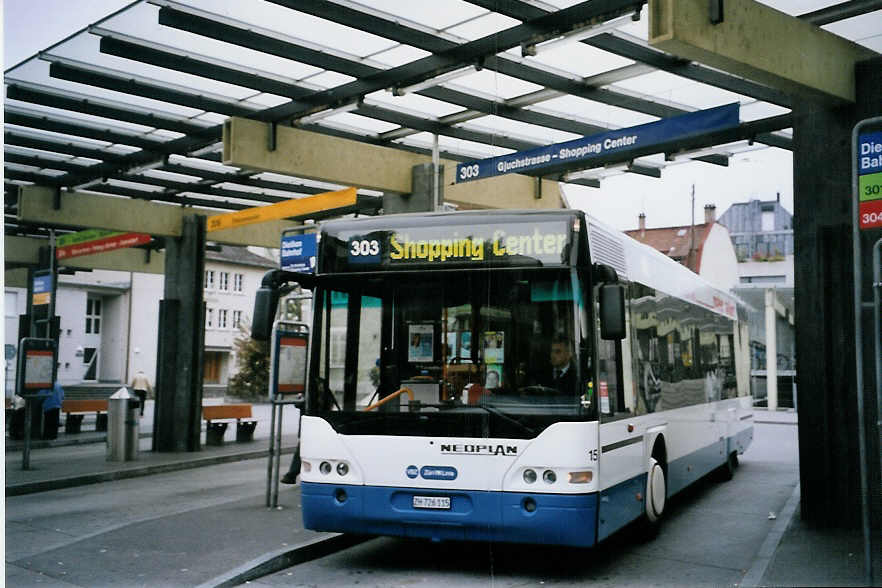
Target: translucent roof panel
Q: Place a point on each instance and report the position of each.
(676, 89)
(415, 103)
(607, 115)
(865, 30)
(494, 84)
(579, 59)
(480, 26)
(527, 132)
(438, 16)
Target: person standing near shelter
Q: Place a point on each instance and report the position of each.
(52, 400)
(141, 386)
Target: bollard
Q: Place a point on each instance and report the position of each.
(122, 426)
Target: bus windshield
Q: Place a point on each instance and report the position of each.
(470, 353)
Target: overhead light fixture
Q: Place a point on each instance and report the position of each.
(578, 35)
(205, 150)
(598, 173)
(86, 185)
(311, 118)
(148, 166)
(440, 79)
(715, 150)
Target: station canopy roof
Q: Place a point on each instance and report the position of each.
(133, 105)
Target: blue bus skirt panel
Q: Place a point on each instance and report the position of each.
(473, 516)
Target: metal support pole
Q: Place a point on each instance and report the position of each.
(771, 351)
(858, 339)
(277, 458)
(436, 175)
(877, 306)
(26, 452)
(271, 461)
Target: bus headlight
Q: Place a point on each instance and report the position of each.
(306, 466)
(325, 468)
(530, 476)
(342, 468)
(549, 477)
(581, 477)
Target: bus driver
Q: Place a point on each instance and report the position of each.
(561, 373)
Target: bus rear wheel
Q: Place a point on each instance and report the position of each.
(727, 471)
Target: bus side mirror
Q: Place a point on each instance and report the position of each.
(612, 312)
(265, 303)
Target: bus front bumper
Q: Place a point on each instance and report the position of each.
(561, 519)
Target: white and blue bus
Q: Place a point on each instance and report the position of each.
(433, 408)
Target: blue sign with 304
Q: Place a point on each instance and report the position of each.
(299, 253)
(601, 145)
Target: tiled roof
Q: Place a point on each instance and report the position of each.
(675, 242)
(239, 255)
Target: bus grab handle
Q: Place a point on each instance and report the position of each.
(390, 397)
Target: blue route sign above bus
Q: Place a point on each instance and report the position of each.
(583, 151)
(298, 253)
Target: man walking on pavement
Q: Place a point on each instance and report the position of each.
(141, 386)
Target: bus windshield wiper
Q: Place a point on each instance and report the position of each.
(495, 411)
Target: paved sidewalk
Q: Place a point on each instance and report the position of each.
(81, 458)
(246, 536)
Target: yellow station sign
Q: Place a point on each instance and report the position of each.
(280, 210)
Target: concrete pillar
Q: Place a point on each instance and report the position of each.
(771, 351)
(422, 196)
(828, 440)
(177, 421)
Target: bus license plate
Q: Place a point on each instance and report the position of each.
(436, 502)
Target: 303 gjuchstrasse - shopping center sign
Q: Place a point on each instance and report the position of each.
(583, 150)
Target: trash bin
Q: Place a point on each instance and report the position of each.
(122, 426)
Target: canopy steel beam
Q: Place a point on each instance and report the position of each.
(97, 107)
(154, 54)
(416, 71)
(43, 162)
(841, 11)
(154, 90)
(67, 148)
(429, 42)
(521, 10)
(46, 123)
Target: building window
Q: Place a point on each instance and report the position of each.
(223, 281)
(93, 316)
(763, 279)
(237, 319)
(222, 319)
(768, 220)
(209, 279)
(238, 282)
(209, 318)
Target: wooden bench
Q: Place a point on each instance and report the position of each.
(75, 409)
(218, 416)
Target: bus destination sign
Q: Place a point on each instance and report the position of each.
(534, 244)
